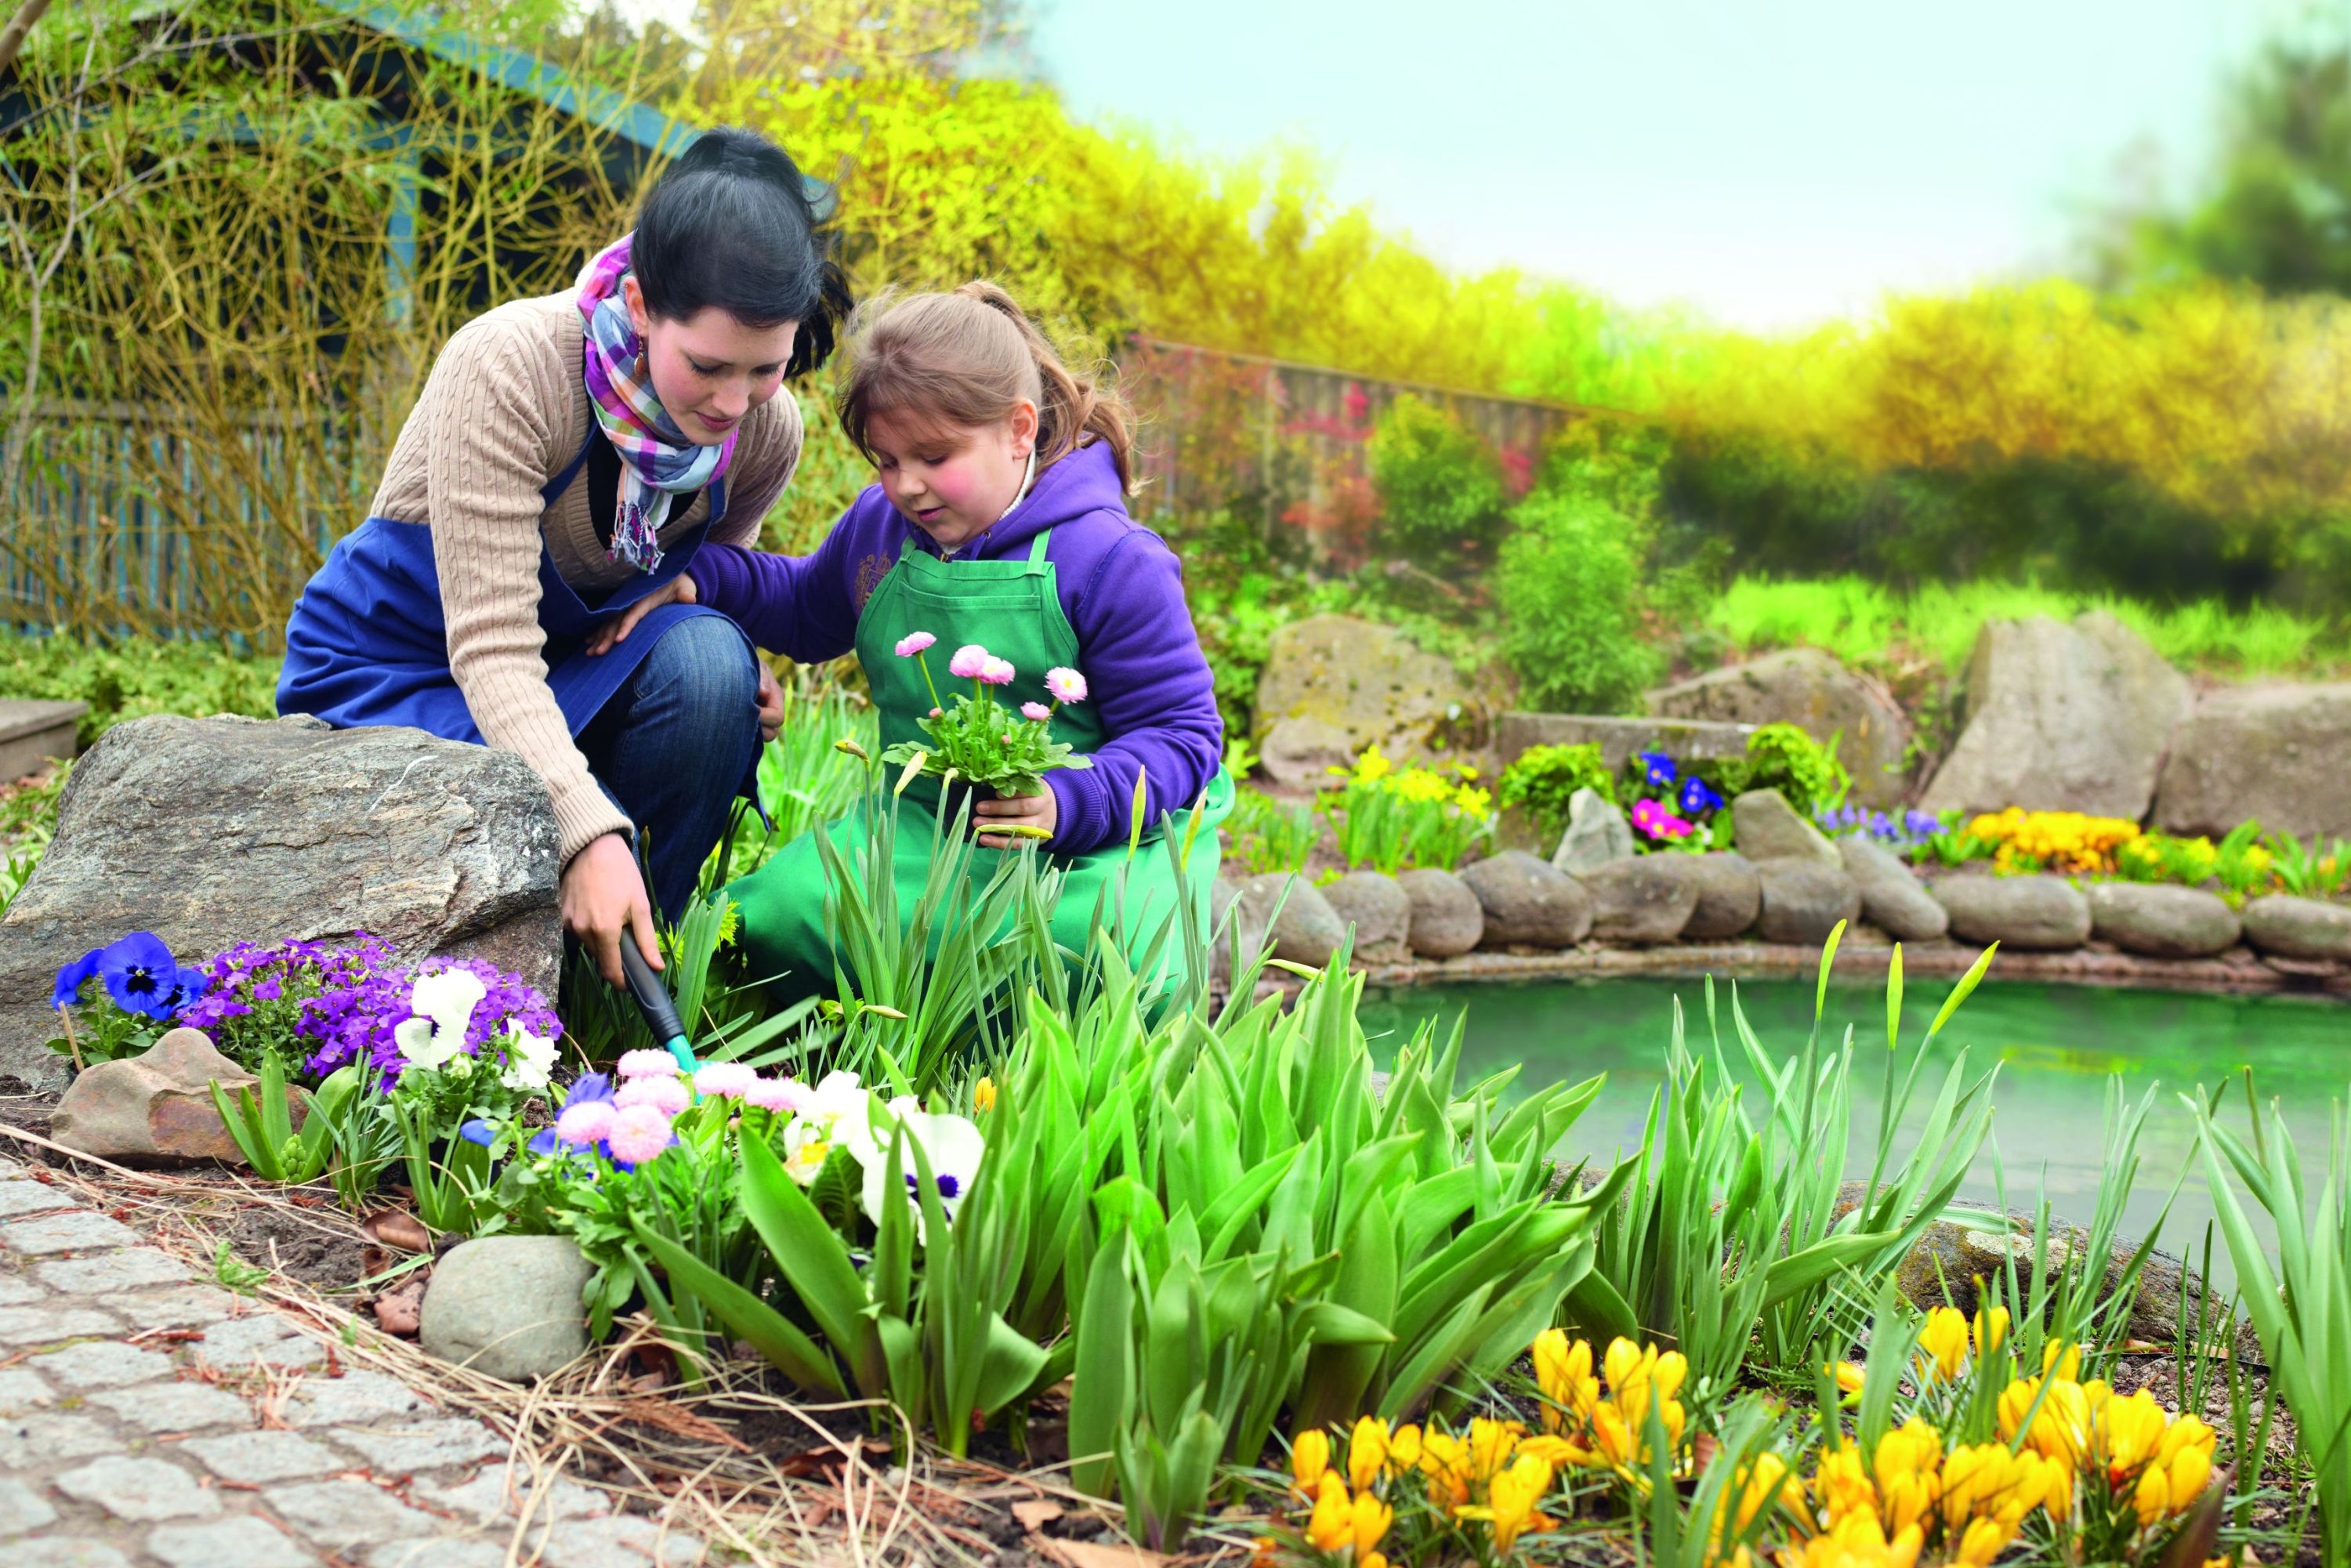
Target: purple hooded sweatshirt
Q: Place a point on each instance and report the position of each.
(1120, 585)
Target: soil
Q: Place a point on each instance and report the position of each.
(318, 1248)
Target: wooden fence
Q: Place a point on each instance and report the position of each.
(157, 518)
(1286, 441)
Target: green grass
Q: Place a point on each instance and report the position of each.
(1863, 622)
(137, 677)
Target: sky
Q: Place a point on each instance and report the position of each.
(1769, 163)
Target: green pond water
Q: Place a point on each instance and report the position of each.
(2058, 1045)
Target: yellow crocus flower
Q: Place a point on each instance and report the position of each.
(1370, 1520)
(1404, 1448)
(1445, 1461)
(2126, 1432)
(1991, 1330)
(1309, 1456)
(1981, 1541)
(1367, 1452)
(983, 1096)
(1909, 1460)
(1943, 1343)
(1857, 1543)
(1491, 1443)
(1331, 1526)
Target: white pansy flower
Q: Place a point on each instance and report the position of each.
(952, 1145)
(530, 1058)
(444, 1003)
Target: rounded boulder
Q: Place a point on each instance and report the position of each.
(2161, 921)
(508, 1306)
(1447, 920)
(2299, 927)
(1380, 912)
(1292, 912)
(1729, 896)
(1894, 899)
(1529, 902)
(1642, 900)
(1803, 901)
(2032, 913)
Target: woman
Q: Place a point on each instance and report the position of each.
(567, 457)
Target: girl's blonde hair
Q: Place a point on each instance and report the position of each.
(969, 357)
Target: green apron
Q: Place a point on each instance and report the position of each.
(1013, 608)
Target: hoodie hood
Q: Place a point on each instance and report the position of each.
(1084, 481)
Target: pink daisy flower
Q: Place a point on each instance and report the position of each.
(995, 672)
(586, 1122)
(1037, 711)
(639, 1133)
(786, 1094)
(725, 1078)
(668, 1095)
(914, 642)
(1066, 685)
(648, 1064)
(968, 660)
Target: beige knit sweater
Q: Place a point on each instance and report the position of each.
(503, 412)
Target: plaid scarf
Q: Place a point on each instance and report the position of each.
(657, 462)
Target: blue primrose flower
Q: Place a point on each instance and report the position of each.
(1699, 797)
(140, 975)
(1658, 769)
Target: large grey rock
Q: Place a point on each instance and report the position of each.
(1890, 896)
(2061, 717)
(1729, 896)
(508, 1306)
(2299, 927)
(1300, 752)
(1803, 901)
(1292, 911)
(1380, 912)
(1364, 680)
(155, 1108)
(1643, 900)
(2038, 914)
(2160, 920)
(1769, 829)
(1529, 902)
(1683, 739)
(2279, 754)
(1446, 918)
(218, 831)
(1597, 834)
(1807, 688)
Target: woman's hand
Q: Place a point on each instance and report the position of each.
(771, 702)
(1021, 811)
(678, 590)
(602, 896)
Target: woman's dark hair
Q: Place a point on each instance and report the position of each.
(730, 224)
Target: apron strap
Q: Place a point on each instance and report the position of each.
(1036, 548)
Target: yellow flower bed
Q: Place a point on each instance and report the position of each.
(2052, 840)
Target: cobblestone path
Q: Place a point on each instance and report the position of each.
(147, 1417)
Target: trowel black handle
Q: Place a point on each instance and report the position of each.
(652, 997)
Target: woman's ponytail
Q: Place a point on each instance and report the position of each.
(970, 358)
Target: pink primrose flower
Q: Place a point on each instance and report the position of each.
(997, 672)
(668, 1095)
(648, 1064)
(725, 1079)
(914, 642)
(639, 1133)
(968, 660)
(1037, 711)
(1066, 685)
(1660, 823)
(586, 1122)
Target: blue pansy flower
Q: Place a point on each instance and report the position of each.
(139, 973)
(1699, 797)
(1658, 769)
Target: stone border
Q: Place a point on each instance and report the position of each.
(2243, 975)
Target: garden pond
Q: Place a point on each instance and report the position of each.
(2058, 1047)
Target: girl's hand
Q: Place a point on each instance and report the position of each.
(1023, 811)
(602, 896)
(678, 590)
(771, 703)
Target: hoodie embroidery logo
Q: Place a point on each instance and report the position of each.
(870, 573)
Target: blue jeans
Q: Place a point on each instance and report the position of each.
(674, 746)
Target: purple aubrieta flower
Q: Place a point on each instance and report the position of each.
(1658, 769)
(141, 976)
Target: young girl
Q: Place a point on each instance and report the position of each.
(999, 518)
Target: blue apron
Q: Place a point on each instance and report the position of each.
(366, 643)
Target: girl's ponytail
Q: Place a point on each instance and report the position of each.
(1072, 406)
(970, 358)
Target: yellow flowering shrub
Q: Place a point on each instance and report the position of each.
(2052, 840)
(1392, 818)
